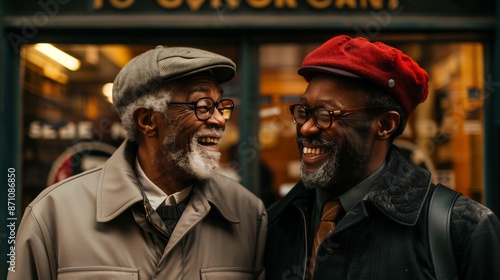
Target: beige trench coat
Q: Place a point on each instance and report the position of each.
(94, 226)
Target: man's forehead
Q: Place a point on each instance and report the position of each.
(197, 83)
(203, 84)
(323, 101)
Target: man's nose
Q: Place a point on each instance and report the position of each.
(217, 119)
(309, 128)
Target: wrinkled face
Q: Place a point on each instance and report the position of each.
(332, 157)
(191, 146)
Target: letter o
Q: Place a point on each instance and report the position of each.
(259, 4)
(319, 4)
(169, 4)
(121, 4)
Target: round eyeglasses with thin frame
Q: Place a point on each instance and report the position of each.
(204, 107)
(322, 116)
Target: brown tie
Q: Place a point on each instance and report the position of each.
(326, 226)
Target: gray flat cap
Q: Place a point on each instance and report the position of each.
(149, 70)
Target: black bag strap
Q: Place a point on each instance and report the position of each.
(442, 255)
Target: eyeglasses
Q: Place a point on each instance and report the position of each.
(322, 117)
(204, 107)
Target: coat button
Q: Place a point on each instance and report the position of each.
(334, 246)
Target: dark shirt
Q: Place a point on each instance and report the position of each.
(348, 199)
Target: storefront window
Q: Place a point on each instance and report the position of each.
(444, 134)
(449, 127)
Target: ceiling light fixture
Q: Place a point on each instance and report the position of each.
(59, 56)
(107, 90)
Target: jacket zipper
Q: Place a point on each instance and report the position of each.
(154, 224)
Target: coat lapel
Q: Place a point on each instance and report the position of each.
(356, 215)
(205, 197)
(211, 190)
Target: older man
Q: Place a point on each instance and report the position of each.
(361, 209)
(157, 209)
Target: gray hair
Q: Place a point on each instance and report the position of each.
(156, 100)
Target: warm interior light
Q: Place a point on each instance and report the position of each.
(107, 90)
(59, 56)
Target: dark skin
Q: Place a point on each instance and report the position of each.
(180, 123)
(356, 138)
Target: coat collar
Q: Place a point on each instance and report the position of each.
(212, 190)
(399, 192)
(118, 187)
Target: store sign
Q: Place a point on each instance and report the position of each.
(367, 17)
(195, 5)
(42, 11)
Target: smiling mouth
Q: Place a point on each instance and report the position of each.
(208, 141)
(313, 151)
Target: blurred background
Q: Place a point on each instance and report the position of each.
(60, 57)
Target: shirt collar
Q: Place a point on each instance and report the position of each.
(350, 198)
(154, 194)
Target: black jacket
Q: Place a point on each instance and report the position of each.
(383, 237)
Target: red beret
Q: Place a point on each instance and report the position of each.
(381, 64)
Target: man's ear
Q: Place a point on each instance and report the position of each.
(388, 122)
(145, 120)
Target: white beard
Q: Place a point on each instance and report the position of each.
(197, 161)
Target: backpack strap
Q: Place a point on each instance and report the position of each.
(442, 255)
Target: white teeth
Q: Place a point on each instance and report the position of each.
(209, 140)
(314, 151)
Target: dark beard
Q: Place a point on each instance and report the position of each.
(324, 176)
(341, 168)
